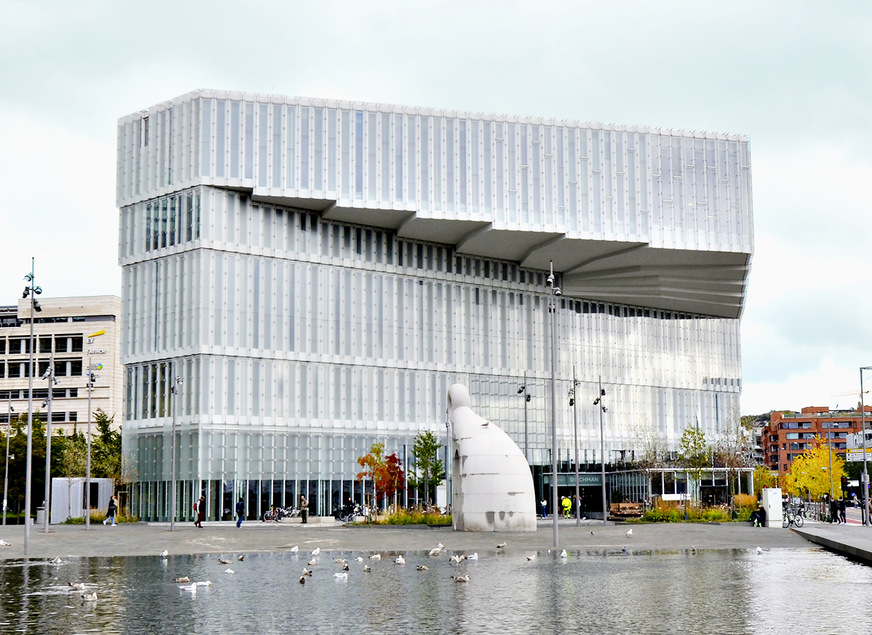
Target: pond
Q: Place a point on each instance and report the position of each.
(732, 591)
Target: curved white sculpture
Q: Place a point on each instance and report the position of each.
(493, 486)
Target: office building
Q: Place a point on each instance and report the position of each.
(312, 275)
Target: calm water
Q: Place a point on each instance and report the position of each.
(706, 592)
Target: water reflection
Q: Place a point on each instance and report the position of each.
(702, 592)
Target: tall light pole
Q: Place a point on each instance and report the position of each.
(602, 408)
(523, 391)
(32, 291)
(575, 434)
(175, 390)
(92, 378)
(6, 477)
(52, 382)
(864, 475)
(552, 309)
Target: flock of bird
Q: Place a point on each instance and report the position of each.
(185, 583)
(400, 560)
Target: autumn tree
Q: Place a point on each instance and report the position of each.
(810, 472)
(429, 470)
(386, 472)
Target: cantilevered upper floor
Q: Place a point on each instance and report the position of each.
(633, 215)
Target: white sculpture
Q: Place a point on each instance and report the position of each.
(493, 486)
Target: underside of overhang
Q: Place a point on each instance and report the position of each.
(626, 272)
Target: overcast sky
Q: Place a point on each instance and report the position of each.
(794, 77)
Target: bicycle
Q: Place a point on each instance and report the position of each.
(791, 518)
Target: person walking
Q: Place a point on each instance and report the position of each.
(200, 506)
(544, 504)
(240, 509)
(111, 511)
(304, 509)
(566, 503)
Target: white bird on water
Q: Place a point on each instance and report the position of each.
(473, 556)
(57, 560)
(358, 559)
(223, 561)
(312, 562)
(3, 543)
(400, 559)
(367, 568)
(502, 545)
(563, 554)
(759, 550)
(295, 549)
(90, 597)
(78, 586)
(461, 578)
(533, 557)
(164, 553)
(375, 556)
(229, 570)
(316, 551)
(204, 583)
(191, 588)
(630, 532)
(341, 575)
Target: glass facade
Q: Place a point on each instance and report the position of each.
(269, 262)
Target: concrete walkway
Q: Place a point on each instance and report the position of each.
(223, 537)
(853, 541)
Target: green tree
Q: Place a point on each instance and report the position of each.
(106, 448)
(18, 463)
(693, 455)
(429, 470)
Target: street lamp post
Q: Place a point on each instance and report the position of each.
(32, 291)
(552, 309)
(523, 391)
(602, 408)
(92, 378)
(175, 390)
(575, 434)
(864, 476)
(52, 382)
(6, 476)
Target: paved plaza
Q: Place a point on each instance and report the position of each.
(142, 539)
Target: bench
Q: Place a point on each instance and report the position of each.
(625, 509)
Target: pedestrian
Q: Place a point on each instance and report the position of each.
(834, 511)
(842, 517)
(111, 511)
(544, 504)
(304, 509)
(240, 508)
(200, 506)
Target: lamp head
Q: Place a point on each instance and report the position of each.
(522, 389)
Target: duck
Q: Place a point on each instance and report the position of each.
(422, 567)
(90, 597)
(533, 557)
(78, 586)
(340, 560)
(563, 554)
(461, 578)
(358, 559)
(57, 560)
(473, 556)
(228, 570)
(302, 579)
(3, 543)
(163, 554)
(502, 545)
(307, 572)
(191, 588)
(345, 567)
(183, 580)
(367, 568)
(223, 561)
(241, 558)
(375, 556)
(455, 559)
(204, 583)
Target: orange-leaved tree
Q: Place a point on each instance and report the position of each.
(386, 472)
